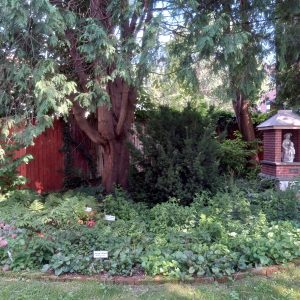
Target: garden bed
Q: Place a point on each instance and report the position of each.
(219, 237)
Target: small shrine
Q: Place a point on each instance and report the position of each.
(281, 146)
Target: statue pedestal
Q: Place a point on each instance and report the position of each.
(285, 173)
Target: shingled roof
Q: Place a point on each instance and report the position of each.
(284, 119)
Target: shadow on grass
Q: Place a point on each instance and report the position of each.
(285, 285)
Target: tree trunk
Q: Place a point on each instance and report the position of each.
(114, 123)
(115, 157)
(241, 108)
(243, 117)
(114, 119)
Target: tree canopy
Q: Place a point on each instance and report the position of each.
(91, 57)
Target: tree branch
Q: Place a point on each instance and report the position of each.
(98, 10)
(84, 125)
(105, 122)
(123, 111)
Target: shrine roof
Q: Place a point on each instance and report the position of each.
(284, 119)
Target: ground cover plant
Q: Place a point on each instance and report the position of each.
(237, 228)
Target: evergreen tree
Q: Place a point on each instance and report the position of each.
(86, 55)
(287, 47)
(234, 35)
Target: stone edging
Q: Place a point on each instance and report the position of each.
(138, 280)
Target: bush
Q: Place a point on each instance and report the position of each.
(9, 163)
(182, 155)
(179, 157)
(234, 156)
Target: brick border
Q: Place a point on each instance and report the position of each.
(144, 280)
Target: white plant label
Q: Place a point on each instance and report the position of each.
(109, 218)
(88, 209)
(100, 254)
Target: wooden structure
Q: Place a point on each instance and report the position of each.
(274, 129)
(46, 172)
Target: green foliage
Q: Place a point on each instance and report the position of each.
(234, 155)
(170, 214)
(223, 32)
(287, 30)
(9, 164)
(120, 205)
(179, 156)
(289, 92)
(40, 77)
(238, 228)
(28, 209)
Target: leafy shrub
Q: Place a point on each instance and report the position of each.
(9, 163)
(28, 209)
(179, 156)
(120, 205)
(279, 205)
(170, 215)
(234, 155)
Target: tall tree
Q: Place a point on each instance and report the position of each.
(233, 34)
(287, 48)
(89, 56)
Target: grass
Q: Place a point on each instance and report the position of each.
(284, 285)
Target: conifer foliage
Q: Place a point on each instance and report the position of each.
(287, 45)
(86, 55)
(232, 34)
(179, 156)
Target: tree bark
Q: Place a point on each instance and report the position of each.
(114, 124)
(115, 157)
(244, 121)
(241, 108)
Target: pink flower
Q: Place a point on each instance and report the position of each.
(3, 243)
(13, 236)
(91, 223)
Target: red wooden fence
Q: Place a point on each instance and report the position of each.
(46, 171)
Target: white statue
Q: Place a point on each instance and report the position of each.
(288, 149)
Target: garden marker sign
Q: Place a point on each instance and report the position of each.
(109, 218)
(100, 254)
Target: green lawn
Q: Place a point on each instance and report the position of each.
(284, 285)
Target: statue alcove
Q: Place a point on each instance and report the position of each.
(274, 130)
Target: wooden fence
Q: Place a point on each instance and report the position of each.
(46, 171)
